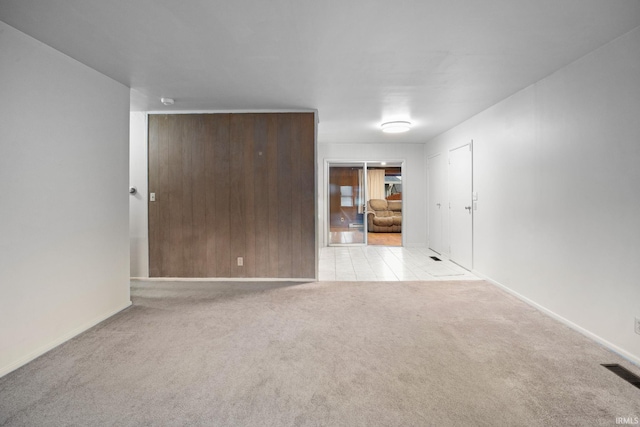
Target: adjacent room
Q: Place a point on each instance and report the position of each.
(365, 203)
(315, 213)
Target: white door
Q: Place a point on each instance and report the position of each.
(436, 176)
(460, 206)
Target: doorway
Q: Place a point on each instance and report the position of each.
(364, 203)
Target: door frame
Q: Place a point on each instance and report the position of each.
(430, 198)
(326, 227)
(472, 205)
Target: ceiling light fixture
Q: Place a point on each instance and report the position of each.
(167, 101)
(395, 127)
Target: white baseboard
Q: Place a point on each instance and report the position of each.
(610, 346)
(64, 338)
(221, 279)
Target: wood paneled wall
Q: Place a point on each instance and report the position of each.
(229, 186)
(342, 176)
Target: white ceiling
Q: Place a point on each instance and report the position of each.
(358, 62)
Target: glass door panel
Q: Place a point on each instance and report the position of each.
(384, 202)
(347, 204)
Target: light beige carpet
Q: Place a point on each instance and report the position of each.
(330, 354)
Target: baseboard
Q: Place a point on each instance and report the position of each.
(221, 279)
(64, 338)
(610, 346)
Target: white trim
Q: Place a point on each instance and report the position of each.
(258, 111)
(60, 340)
(315, 193)
(610, 346)
(222, 279)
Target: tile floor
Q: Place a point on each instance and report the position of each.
(385, 263)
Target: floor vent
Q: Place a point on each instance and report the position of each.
(623, 373)
(435, 258)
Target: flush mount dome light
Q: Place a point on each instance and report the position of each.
(167, 101)
(395, 127)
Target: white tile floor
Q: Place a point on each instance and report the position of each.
(370, 263)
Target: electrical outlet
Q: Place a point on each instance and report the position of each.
(637, 325)
(240, 261)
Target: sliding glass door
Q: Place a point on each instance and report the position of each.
(347, 203)
(364, 203)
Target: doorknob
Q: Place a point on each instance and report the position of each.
(438, 205)
(468, 208)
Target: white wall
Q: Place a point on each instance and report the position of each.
(414, 207)
(64, 250)
(558, 182)
(138, 210)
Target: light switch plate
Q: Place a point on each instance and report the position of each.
(152, 197)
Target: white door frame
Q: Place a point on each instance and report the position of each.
(430, 200)
(470, 207)
(325, 224)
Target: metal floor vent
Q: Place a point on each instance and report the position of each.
(623, 373)
(435, 258)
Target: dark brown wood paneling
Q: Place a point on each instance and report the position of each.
(217, 195)
(284, 205)
(229, 186)
(213, 128)
(155, 241)
(297, 209)
(303, 193)
(307, 162)
(174, 199)
(221, 213)
(261, 195)
(237, 197)
(246, 137)
(199, 188)
(158, 184)
(274, 193)
(188, 136)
